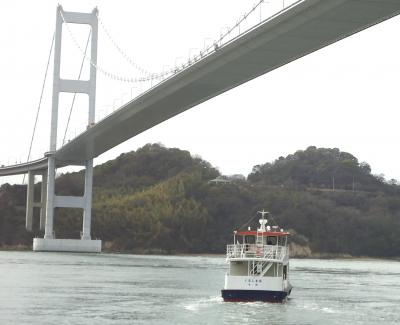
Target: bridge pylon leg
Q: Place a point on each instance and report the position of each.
(49, 242)
(87, 212)
(29, 201)
(51, 175)
(43, 202)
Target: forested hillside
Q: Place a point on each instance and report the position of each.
(161, 200)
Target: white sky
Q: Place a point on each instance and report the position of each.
(343, 96)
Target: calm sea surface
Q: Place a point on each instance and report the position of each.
(57, 288)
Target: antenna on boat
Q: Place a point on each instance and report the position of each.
(263, 213)
(263, 221)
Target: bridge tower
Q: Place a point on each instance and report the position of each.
(49, 242)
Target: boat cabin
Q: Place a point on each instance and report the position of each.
(269, 237)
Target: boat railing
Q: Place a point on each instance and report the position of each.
(270, 252)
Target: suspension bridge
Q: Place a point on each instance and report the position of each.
(299, 28)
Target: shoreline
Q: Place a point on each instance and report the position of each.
(313, 256)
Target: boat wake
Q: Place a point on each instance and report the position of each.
(316, 307)
(202, 303)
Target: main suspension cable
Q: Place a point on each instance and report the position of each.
(79, 78)
(40, 102)
(123, 54)
(103, 71)
(159, 76)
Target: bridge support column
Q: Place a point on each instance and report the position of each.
(85, 244)
(29, 201)
(43, 202)
(87, 212)
(51, 175)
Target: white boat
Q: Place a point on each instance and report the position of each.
(258, 264)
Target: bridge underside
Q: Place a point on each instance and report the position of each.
(299, 30)
(34, 166)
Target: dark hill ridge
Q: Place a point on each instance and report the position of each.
(319, 168)
(159, 199)
(138, 170)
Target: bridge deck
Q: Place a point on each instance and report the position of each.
(303, 28)
(36, 165)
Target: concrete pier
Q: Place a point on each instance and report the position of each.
(66, 245)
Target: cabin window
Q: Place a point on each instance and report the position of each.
(281, 241)
(284, 272)
(271, 240)
(249, 240)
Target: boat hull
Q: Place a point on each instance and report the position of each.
(254, 295)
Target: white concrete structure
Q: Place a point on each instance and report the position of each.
(49, 243)
(30, 203)
(67, 245)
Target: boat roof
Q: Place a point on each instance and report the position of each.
(265, 233)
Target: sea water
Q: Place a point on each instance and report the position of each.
(61, 288)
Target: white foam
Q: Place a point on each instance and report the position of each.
(316, 307)
(202, 303)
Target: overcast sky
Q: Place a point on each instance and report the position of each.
(344, 96)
